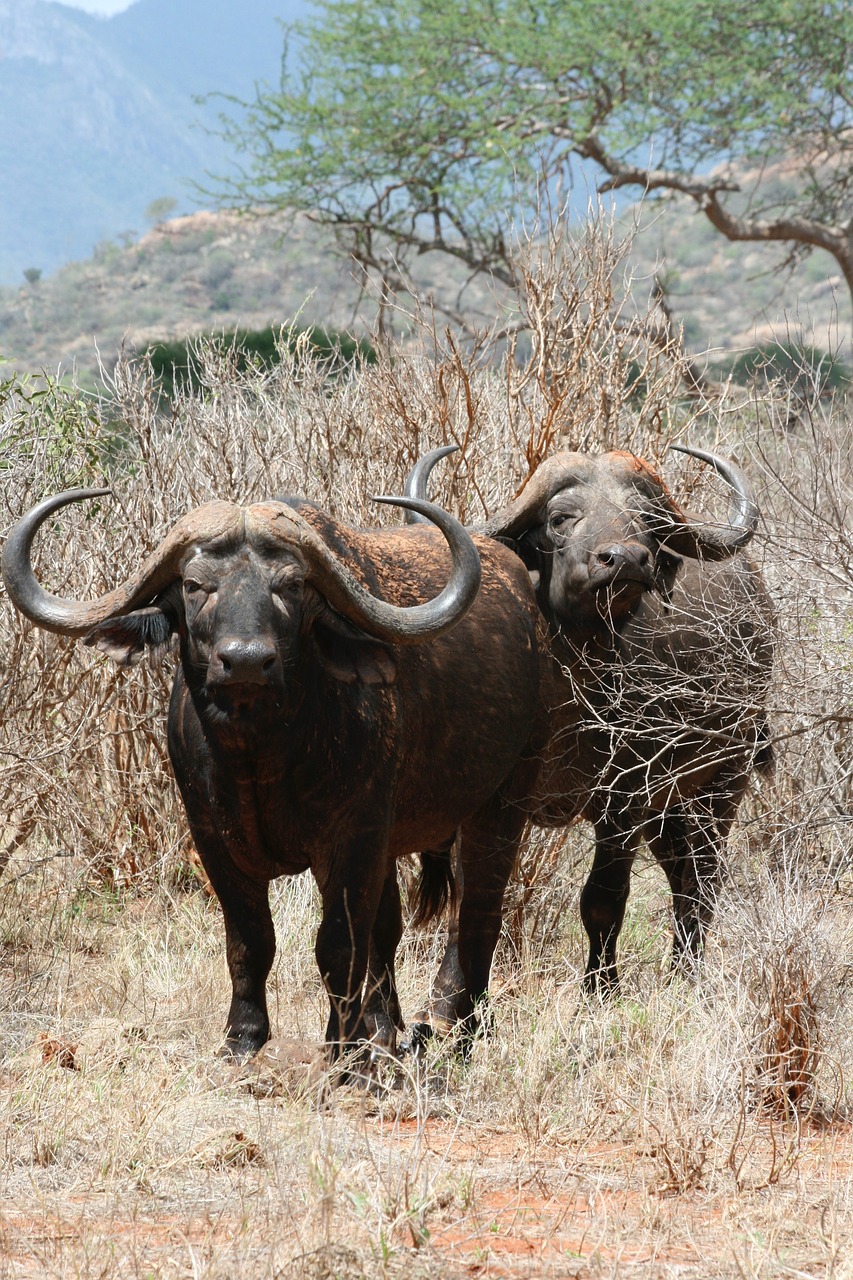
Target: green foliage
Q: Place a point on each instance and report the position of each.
(799, 366)
(177, 364)
(32, 275)
(427, 122)
(47, 423)
(106, 252)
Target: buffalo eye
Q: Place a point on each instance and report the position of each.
(560, 519)
(194, 588)
(287, 592)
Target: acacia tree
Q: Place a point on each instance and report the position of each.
(415, 124)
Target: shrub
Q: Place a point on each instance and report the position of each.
(801, 367)
(178, 365)
(335, 419)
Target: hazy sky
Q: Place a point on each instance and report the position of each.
(99, 6)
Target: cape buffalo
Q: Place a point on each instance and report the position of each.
(662, 634)
(324, 717)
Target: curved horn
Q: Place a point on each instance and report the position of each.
(529, 507)
(716, 541)
(418, 479)
(395, 624)
(76, 618)
(687, 537)
(414, 624)
(513, 519)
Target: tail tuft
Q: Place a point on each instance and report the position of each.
(436, 886)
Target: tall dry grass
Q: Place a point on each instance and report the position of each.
(127, 1152)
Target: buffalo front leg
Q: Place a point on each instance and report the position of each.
(382, 1013)
(603, 901)
(350, 906)
(250, 951)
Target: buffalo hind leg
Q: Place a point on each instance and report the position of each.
(441, 1012)
(382, 1005)
(689, 842)
(603, 901)
(489, 847)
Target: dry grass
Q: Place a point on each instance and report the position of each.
(621, 1140)
(691, 1130)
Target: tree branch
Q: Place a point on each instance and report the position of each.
(835, 240)
(628, 175)
(477, 261)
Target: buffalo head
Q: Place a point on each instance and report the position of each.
(246, 590)
(598, 531)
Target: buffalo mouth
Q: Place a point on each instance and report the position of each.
(244, 674)
(623, 581)
(244, 701)
(616, 595)
(623, 570)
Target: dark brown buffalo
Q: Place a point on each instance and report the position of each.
(662, 635)
(324, 717)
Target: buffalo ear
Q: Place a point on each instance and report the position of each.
(344, 650)
(513, 544)
(126, 637)
(355, 659)
(529, 550)
(528, 547)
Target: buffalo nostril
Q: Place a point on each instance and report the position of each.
(238, 661)
(622, 556)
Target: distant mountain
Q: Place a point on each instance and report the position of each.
(205, 272)
(97, 117)
(200, 46)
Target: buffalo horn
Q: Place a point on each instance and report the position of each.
(685, 536)
(377, 617)
(715, 541)
(76, 618)
(529, 507)
(395, 624)
(416, 481)
(525, 510)
(392, 623)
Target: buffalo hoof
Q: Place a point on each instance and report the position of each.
(479, 1025)
(685, 966)
(383, 1036)
(460, 1036)
(601, 984)
(239, 1049)
(359, 1065)
(416, 1040)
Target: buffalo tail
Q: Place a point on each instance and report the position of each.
(435, 887)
